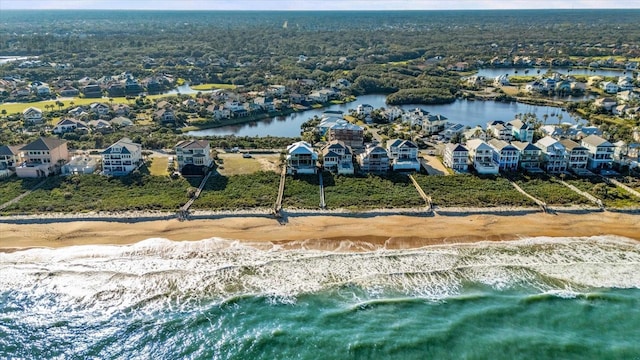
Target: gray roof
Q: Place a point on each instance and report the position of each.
(456, 147)
(524, 146)
(9, 150)
(192, 144)
(570, 144)
(595, 140)
(44, 144)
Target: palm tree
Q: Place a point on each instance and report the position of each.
(545, 117)
(71, 103)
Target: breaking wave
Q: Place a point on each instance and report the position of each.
(162, 272)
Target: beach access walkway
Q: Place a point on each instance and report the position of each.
(19, 197)
(184, 210)
(323, 204)
(423, 195)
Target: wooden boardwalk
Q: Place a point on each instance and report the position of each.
(21, 196)
(423, 195)
(623, 186)
(542, 204)
(277, 208)
(323, 204)
(590, 197)
(183, 213)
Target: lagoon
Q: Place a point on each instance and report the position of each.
(495, 72)
(466, 112)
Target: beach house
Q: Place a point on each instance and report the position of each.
(193, 157)
(481, 156)
(554, 154)
(529, 159)
(521, 131)
(600, 152)
(43, 157)
(301, 159)
(403, 155)
(121, 158)
(10, 155)
(577, 155)
(374, 159)
(338, 158)
(456, 157)
(505, 155)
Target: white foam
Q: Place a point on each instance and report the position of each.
(166, 272)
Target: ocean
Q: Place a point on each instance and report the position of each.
(533, 298)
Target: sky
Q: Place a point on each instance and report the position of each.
(315, 4)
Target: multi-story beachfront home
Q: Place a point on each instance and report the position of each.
(529, 159)
(121, 158)
(32, 116)
(504, 154)
(475, 133)
(403, 155)
(600, 152)
(43, 157)
(301, 159)
(521, 131)
(499, 130)
(9, 157)
(351, 134)
(193, 157)
(329, 119)
(554, 155)
(481, 155)
(374, 159)
(456, 157)
(338, 157)
(577, 155)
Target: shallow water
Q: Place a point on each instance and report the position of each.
(532, 298)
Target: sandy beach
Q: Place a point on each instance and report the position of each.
(326, 232)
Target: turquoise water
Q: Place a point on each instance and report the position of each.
(541, 298)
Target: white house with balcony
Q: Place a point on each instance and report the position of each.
(121, 158)
(301, 158)
(530, 155)
(32, 115)
(193, 157)
(600, 152)
(481, 156)
(521, 131)
(505, 154)
(456, 157)
(577, 155)
(338, 158)
(554, 154)
(374, 159)
(403, 155)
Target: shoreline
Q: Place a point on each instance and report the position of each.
(392, 229)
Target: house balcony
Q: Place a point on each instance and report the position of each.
(486, 168)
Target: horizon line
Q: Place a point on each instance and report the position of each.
(320, 10)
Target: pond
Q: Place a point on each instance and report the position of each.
(466, 112)
(495, 72)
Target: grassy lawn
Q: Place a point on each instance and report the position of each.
(248, 191)
(470, 190)
(235, 164)
(544, 188)
(302, 192)
(13, 108)
(370, 192)
(203, 87)
(611, 195)
(158, 166)
(83, 193)
(14, 186)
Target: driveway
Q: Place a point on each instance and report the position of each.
(433, 165)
